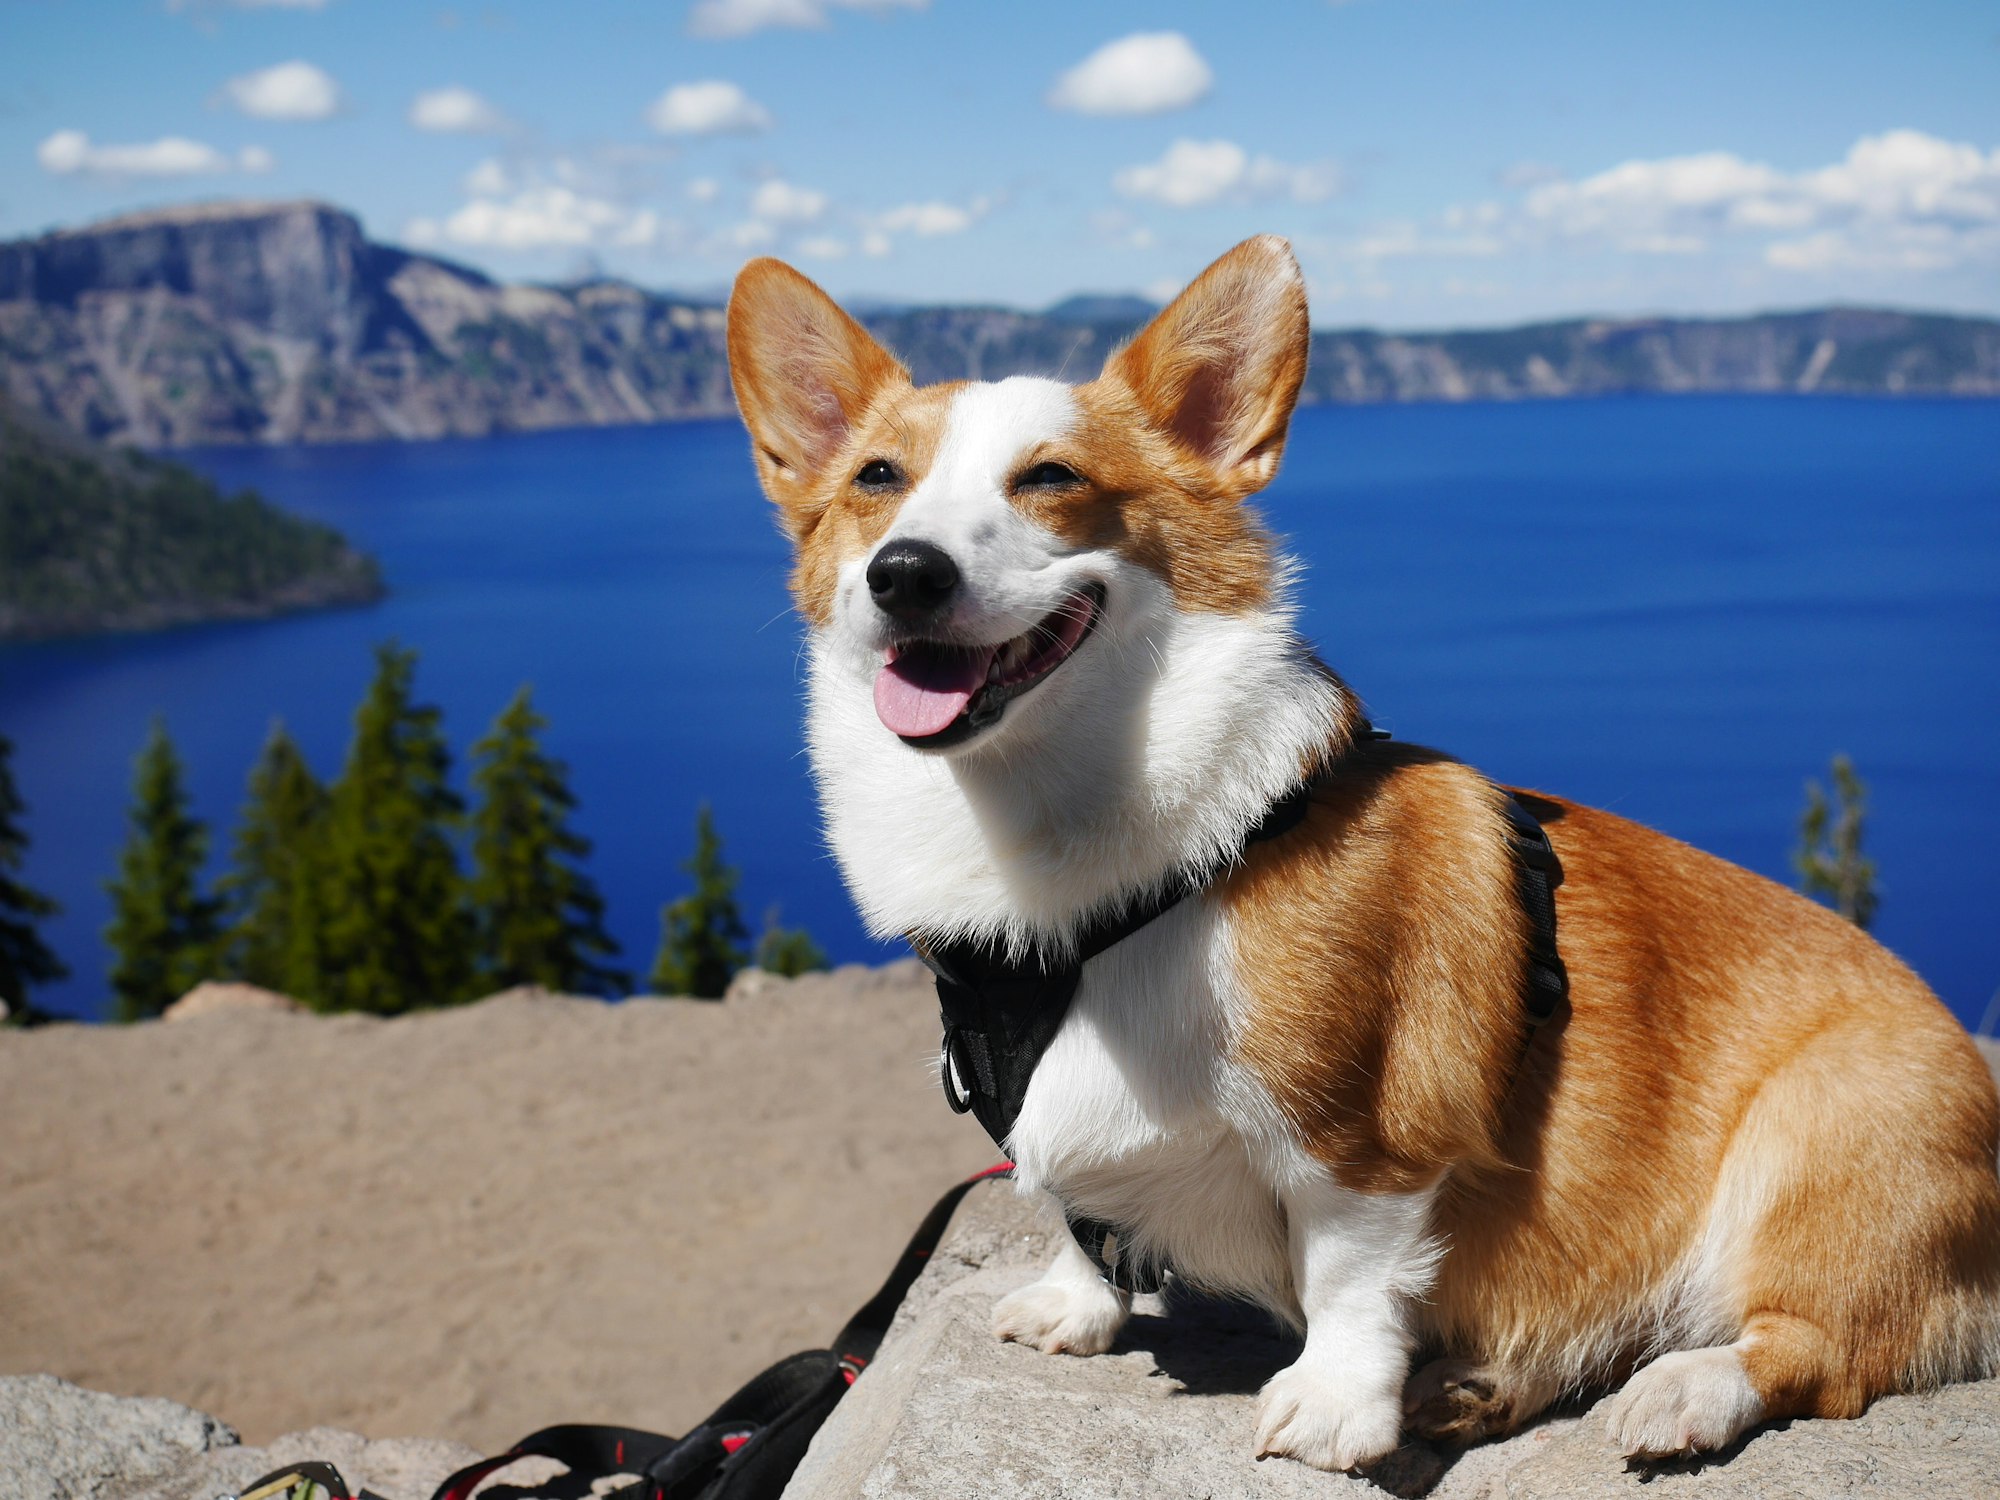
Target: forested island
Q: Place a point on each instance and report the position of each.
(279, 323)
(96, 539)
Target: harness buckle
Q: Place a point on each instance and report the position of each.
(954, 1070)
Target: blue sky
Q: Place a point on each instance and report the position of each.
(1436, 162)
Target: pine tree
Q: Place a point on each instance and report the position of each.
(394, 933)
(789, 951)
(272, 889)
(540, 919)
(24, 958)
(701, 934)
(163, 930)
(1829, 858)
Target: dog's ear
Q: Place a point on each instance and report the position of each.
(1219, 367)
(804, 372)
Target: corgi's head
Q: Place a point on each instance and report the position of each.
(972, 540)
(1054, 587)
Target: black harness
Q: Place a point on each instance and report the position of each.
(1001, 1014)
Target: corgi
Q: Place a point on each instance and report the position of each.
(1053, 671)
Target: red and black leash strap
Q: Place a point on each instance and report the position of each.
(781, 1406)
(582, 1448)
(857, 1342)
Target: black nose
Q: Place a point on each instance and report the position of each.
(911, 579)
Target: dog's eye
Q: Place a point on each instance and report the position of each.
(878, 474)
(1048, 476)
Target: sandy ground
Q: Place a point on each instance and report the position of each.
(470, 1223)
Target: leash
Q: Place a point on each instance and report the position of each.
(1000, 1015)
(749, 1446)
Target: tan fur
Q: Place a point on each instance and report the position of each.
(1732, 1050)
(821, 398)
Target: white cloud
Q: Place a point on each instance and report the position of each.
(926, 219)
(643, 228)
(711, 107)
(490, 179)
(876, 244)
(751, 235)
(1147, 73)
(455, 110)
(779, 202)
(293, 90)
(1899, 200)
(1193, 173)
(704, 190)
(538, 218)
(732, 18)
(70, 153)
(1401, 240)
(822, 247)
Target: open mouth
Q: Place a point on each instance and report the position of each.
(939, 693)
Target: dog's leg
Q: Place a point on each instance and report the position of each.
(1071, 1310)
(1690, 1401)
(1357, 1260)
(1460, 1402)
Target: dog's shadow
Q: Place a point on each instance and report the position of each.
(1212, 1346)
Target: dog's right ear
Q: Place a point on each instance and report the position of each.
(804, 372)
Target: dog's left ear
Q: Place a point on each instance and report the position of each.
(1219, 368)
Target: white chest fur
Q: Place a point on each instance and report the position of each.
(1138, 1116)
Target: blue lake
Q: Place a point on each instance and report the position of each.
(1676, 608)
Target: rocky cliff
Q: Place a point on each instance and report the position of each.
(238, 322)
(283, 323)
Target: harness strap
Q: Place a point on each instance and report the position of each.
(1537, 874)
(1001, 1015)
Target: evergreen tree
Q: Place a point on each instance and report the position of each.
(24, 958)
(701, 934)
(394, 933)
(1829, 858)
(540, 919)
(272, 889)
(789, 951)
(163, 930)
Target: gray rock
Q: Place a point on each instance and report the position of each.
(392, 1468)
(947, 1410)
(61, 1442)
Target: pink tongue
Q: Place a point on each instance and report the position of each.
(923, 690)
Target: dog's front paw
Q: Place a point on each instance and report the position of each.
(1307, 1412)
(1694, 1401)
(1062, 1315)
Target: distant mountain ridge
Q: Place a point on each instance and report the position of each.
(273, 323)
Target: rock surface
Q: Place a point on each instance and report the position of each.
(216, 997)
(255, 322)
(466, 1223)
(61, 1442)
(946, 1410)
(361, 1279)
